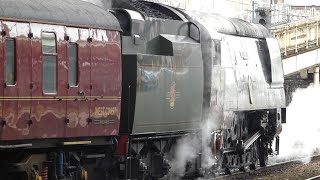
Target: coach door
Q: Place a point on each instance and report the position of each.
(48, 107)
(106, 83)
(78, 83)
(2, 63)
(17, 77)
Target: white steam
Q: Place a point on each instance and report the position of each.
(206, 130)
(187, 150)
(231, 9)
(189, 147)
(299, 138)
(300, 134)
(224, 7)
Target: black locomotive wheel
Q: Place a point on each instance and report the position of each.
(254, 165)
(263, 154)
(254, 157)
(229, 170)
(146, 176)
(263, 160)
(244, 168)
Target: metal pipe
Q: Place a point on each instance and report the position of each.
(296, 36)
(285, 39)
(15, 146)
(251, 140)
(278, 144)
(214, 145)
(307, 40)
(60, 164)
(317, 36)
(241, 146)
(252, 11)
(157, 137)
(316, 76)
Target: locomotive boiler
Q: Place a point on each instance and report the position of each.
(110, 93)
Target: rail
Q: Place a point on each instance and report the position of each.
(314, 177)
(269, 168)
(298, 37)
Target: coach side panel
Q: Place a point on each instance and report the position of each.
(66, 81)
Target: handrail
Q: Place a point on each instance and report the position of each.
(298, 37)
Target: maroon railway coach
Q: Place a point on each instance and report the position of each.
(60, 65)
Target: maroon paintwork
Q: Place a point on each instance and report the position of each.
(92, 108)
(78, 111)
(2, 58)
(16, 113)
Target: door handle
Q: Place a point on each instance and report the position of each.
(83, 95)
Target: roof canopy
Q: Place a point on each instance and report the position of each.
(71, 12)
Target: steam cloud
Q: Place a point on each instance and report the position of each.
(300, 134)
(230, 9)
(188, 148)
(223, 7)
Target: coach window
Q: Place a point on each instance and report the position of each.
(10, 62)
(49, 61)
(73, 64)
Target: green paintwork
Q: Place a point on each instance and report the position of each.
(169, 88)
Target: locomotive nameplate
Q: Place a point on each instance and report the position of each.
(103, 114)
(105, 111)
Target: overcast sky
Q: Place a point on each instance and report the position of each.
(303, 2)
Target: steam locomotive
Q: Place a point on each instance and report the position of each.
(90, 93)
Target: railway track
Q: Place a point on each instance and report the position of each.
(313, 178)
(269, 168)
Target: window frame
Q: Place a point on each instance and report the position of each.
(14, 59)
(77, 64)
(56, 63)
